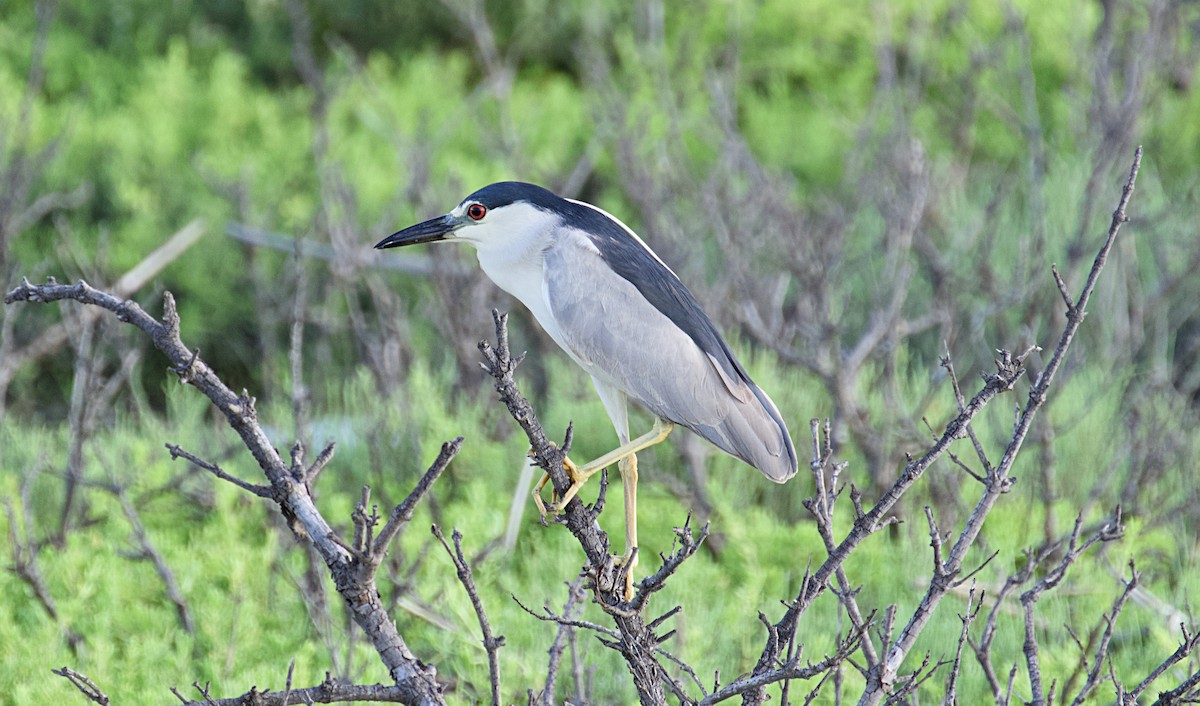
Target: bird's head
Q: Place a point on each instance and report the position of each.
(500, 214)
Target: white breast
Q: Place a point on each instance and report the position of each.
(511, 252)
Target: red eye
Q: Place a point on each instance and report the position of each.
(477, 211)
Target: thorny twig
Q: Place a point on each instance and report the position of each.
(571, 611)
(491, 643)
(84, 684)
(1009, 368)
(1189, 643)
(999, 481)
(1108, 532)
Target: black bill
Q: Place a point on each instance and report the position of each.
(431, 230)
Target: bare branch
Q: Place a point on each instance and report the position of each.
(354, 580)
(967, 617)
(685, 545)
(1109, 531)
(1187, 692)
(24, 552)
(491, 643)
(148, 551)
(1187, 645)
(571, 610)
(330, 691)
(55, 337)
(549, 616)
(1062, 287)
(1009, 370)
(85, 685)
(403, 512)
(1095, 676)
(319, 463)
(999, 481)
(791, 670)
(948, 364)
(177, 451)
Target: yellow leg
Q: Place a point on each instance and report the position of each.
(626, 458)
(537, 489)
(629, 479)
(537, 495)
(580, 474)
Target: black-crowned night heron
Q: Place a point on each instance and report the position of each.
(625, 318)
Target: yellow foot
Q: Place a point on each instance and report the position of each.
(578, 479)
(537, 498)
(537, 490)
(580, 474)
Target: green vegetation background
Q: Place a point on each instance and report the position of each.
(167, 112)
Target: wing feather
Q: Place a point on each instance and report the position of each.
(608, 326)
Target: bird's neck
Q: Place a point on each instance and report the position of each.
(515, 265)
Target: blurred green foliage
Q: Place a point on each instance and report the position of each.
(173, 111)
(163, 107)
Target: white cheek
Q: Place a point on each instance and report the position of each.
(509, 244)
(521, 229)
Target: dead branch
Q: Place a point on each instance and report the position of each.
(565, 620)
(1095, 675)
(330, 691)
(635, 640)
(1188, 692)
(882, 678)
(1009, 370)
(491, 643)
(998, 482)
(948, 364)
(967, 617)
(24, 552)
(1187, 645)
(402, 513)
(147, 551)
(353, 577)
(1108, 532)
(685, 545)
(177, 451)
(571, 611)
(821, 506)
(84, 684)
(793, 669)
(52, 339)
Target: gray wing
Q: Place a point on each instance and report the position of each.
(625, 341)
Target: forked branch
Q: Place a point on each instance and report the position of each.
(882, 678)
(353, 575)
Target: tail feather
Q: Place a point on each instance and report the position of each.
(756, 433)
